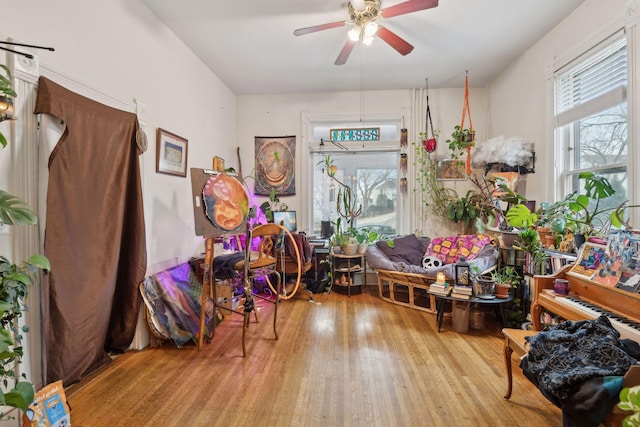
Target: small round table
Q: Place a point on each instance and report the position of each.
(497, 303)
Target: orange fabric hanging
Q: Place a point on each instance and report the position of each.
(467, 111)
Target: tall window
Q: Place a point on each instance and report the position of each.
(369, 168)
(591, 117)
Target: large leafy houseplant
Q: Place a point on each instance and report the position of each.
(6, 94)
(15, 279)
(586, 213)
(630, 401)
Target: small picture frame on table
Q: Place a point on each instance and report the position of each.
(171, 153)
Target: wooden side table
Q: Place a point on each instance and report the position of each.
(347, 266)
(514, 339)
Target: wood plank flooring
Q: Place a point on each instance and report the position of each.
(339, 361)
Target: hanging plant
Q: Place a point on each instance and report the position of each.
(460, 142)
(436, 197)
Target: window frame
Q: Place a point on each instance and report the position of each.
(565, 123)
(309, 146)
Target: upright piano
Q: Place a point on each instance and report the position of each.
(586, 300)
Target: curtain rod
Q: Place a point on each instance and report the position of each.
(28, 55)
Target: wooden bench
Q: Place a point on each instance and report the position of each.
(514, 340)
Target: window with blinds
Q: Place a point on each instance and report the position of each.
(591, 116)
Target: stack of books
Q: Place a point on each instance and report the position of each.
(440, 288)
(462, 292)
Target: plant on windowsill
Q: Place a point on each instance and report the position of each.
(583, 214)
(365, 238)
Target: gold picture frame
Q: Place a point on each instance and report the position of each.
(450, 169)
(171, 153)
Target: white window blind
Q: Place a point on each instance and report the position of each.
(592, 83)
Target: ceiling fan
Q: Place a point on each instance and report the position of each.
(363, 15)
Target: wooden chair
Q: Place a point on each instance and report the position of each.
(263, 264)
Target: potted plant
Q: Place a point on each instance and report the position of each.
(337, 239)
(365, 238)
(505, 278)
(15, 279)
(461, 140)
(630, 401)
(465, 210)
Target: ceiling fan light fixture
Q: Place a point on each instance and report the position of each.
(354, 32)
(367, 40)
(370, 29)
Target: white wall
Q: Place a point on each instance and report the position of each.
(120, 48)
(521, 99)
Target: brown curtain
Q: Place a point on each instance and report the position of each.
(95, 235)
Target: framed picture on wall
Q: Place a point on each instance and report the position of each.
(171, 153)
(450, 169)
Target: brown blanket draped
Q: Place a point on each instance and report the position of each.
(95, 234)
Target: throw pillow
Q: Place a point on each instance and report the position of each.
(405, 249)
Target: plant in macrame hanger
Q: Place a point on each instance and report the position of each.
(429, 143)
(462, 139)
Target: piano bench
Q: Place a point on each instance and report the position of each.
(514, 340)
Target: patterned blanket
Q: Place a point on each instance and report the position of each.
(579, 367)
(173, 299)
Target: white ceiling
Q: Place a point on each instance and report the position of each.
(250, 44)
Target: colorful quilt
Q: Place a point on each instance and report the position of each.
(173, 299)
(449, 249)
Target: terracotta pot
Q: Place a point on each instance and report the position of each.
(502, 290)
(550, 241)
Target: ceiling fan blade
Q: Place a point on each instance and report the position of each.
(395, 41)
(345, 52)
(358, 4)
(408, 7)
(307, 30)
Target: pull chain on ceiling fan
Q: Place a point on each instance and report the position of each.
(363, 19)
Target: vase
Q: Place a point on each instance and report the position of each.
(509, 238)
(362, 248)
(485, 287)
(350, 248)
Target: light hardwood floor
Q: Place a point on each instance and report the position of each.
(339, 361)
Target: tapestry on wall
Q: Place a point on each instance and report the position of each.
(275, 165)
